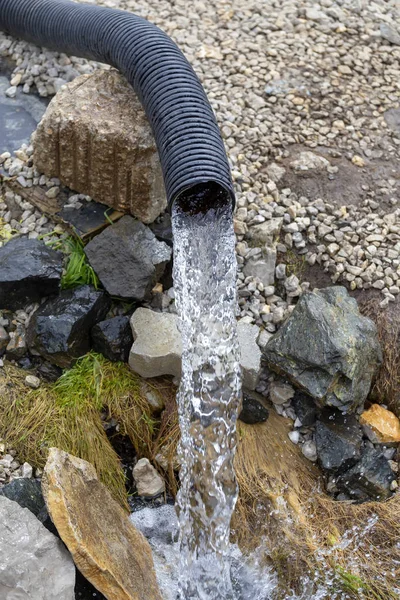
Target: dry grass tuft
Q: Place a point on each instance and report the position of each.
(305, 533)
(68, 415)
(386, 388)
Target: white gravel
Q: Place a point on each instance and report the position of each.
(300, 89)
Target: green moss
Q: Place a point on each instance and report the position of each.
(68, 415)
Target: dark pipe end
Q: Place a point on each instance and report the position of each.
(202, 197)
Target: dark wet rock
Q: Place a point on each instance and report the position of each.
(28, 494)
(25, 362)
(49, 372)
(328, 349)
(253, 410)
(369, 479)
(29, 270)
(162, 228)
(4, 339)
(113, 338)
(338, 439)
(60, 329)
(128, 259)
(305, 408)
(16, 347)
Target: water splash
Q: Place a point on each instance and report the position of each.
(208, 398)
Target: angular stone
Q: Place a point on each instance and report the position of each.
(389, 33)
(113, 338)
(29, 270)
(60, 328)
(338, 439)
(308, 162)
(267, 232)
(369, 479)
(128, 259)
(157, 347)
(263, 268)
(95, 137)
(280, 393)
(381, 425)
(16, 347)
(34, 563)
(305, 408)
(106, 547)
(250, 354)
(149, 484)
(253, 411)
(327, 348)
(28, 494)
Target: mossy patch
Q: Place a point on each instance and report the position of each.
(68, 415)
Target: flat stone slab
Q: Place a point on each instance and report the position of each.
(157, 347)
(105, 545)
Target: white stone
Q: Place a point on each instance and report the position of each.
(35, 564)
(309, 450)
(294, 436)
(32, 381)
(149, 484)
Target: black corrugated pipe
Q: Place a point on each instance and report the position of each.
(189, 142)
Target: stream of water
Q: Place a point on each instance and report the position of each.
(208, 398)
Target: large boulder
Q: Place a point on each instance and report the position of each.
(29, 270)
(157, 347)
(96, 139)
(128, 259)
(34, 563)
(328, 349)
(59, 329)
(113, 338)
(105, 545)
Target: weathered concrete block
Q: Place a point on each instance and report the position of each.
(96, 139)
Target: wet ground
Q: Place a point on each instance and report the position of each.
(18, 116)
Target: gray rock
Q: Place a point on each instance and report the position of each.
(28, 494)
(32, 381)
(128, 259)
(338, 439)
(280, 393)
(263, 269)
(60, 328)
(308, 162)
(157, 347)
(369, 479)
(309, 450)
(149, 484)
(328, 349)
(389, 33)
(29, 270)
(250, 354)
(17, 347)
(267, 232)
(305, 408)
(34, 563)
(113, 338)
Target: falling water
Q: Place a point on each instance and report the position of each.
(208, 398)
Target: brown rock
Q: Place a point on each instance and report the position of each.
(381, 425)
(96, 139)
(104, 544)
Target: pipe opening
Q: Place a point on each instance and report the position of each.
(200, 198)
